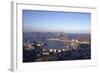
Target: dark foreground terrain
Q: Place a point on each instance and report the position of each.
(35, 55)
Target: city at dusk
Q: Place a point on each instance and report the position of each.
(56, 36)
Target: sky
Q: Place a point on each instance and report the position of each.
(52, 21)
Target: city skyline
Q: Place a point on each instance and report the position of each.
(52, 21)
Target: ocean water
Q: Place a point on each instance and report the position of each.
(49, 43)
